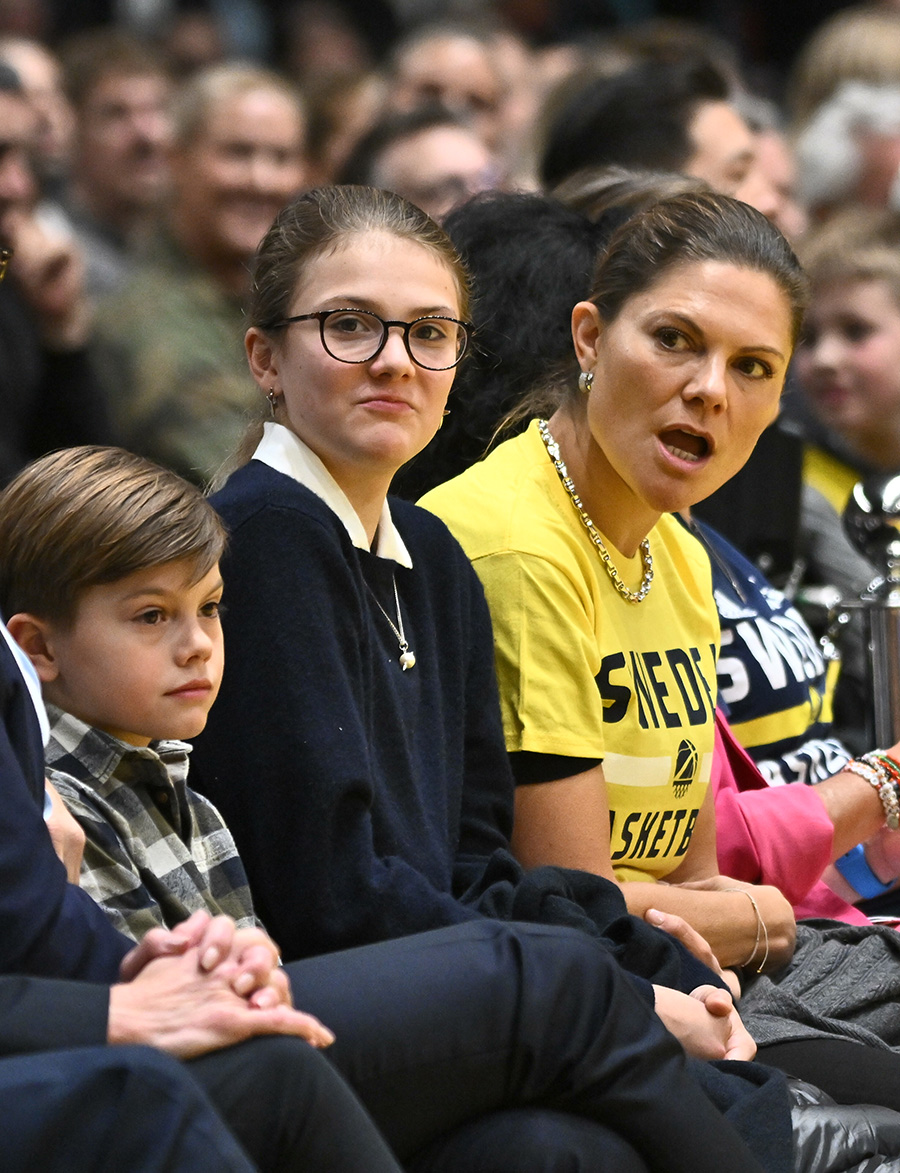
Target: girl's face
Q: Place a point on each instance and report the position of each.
(686, 377)
(362, 419)
(848, 360)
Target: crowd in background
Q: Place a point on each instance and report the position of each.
(148, 146)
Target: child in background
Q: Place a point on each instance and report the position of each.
(109, 575)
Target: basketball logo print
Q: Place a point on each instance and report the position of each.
(687, 762)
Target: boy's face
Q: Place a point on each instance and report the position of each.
(144, 657)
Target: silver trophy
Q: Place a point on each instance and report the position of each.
(872, 524)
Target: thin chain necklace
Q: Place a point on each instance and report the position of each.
(407, 658)
(626, 592)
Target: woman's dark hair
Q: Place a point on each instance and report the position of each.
(530, 259)
(686, 229)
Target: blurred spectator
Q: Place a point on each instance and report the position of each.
(428, 156)
(454, 68)
(849, 150)
(120, 91)
(609, 195)
(848, 364)
(49, 397)
(860, 43)
(341, 109)
(41, 77)
(529, 76)
(664, 116)
(321, 41)
(677, 39)
(776, 162)
(170, 345)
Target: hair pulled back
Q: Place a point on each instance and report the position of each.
(668, 232)
(692, 228)
(320, 221)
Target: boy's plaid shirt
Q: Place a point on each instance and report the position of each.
(156, 850)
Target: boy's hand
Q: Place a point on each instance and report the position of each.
(66, 834)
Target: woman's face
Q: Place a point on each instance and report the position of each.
(361, 419)
(849, 359)
(686, 377)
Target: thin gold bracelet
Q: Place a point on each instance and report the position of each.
(761, 930)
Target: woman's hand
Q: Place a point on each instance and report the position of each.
(677, 926)
(705, 1022)
(775, 911)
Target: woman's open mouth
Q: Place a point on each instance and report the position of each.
(685, 445)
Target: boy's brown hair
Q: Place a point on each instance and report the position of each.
(84, 516)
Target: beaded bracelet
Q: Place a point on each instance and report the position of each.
(882, 773)
(892, 767)
(761, 930)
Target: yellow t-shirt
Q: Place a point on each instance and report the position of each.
(582, 672)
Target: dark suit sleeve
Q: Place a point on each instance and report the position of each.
(48, 927)
(40, 1014)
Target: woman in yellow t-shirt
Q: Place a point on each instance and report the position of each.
(605, 627)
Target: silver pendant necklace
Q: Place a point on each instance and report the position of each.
(568, 484)
(407, 658)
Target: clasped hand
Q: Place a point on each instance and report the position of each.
(705, 1022)
(203, 985)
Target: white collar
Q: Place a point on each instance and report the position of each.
(284, 451)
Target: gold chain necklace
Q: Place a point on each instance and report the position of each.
(626, 592)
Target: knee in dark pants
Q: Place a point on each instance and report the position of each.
(524, 1140)
(290, 1108)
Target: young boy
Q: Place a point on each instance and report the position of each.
(109, 575)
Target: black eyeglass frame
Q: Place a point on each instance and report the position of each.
(320, 316)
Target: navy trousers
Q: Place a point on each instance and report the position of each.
(136, 1110)
(485, 1048)
(523, 1044)
(109, 1109)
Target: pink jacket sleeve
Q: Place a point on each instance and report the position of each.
(773, 835)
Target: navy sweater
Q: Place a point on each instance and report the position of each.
(368, 802)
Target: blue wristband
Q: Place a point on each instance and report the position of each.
(854, 867)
